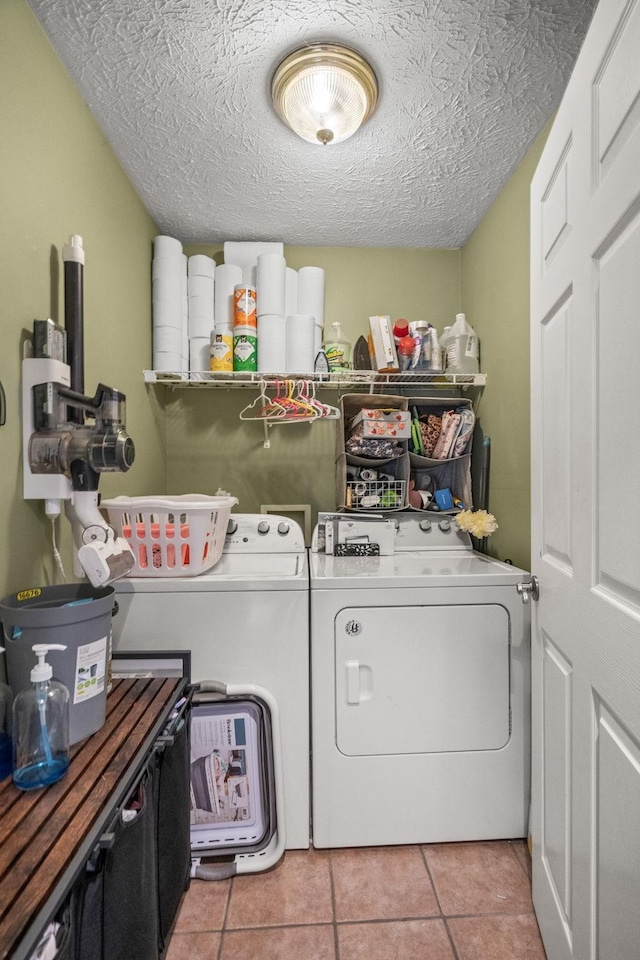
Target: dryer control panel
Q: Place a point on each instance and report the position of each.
(433, 532)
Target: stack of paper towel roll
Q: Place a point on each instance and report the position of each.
(201, 286)
(290, 306)
(169, 305)
(183, 308)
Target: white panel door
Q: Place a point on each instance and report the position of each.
(585, 345)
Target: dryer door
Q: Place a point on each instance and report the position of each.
(422, 679)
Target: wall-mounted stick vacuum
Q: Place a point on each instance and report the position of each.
(69, 439)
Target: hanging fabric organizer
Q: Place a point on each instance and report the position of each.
(294, 402)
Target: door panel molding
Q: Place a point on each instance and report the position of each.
(557, 774)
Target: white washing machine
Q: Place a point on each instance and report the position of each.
(246, 622)
(420, 692)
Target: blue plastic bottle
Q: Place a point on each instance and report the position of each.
(41, 727)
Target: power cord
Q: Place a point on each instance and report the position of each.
(56, 553)
(52, 510)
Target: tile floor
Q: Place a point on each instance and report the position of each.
(450, 901)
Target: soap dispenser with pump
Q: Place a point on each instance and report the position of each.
(41, 726)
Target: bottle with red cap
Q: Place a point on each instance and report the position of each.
(400, 330)
(406, 348)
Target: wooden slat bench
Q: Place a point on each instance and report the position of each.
(46, 836)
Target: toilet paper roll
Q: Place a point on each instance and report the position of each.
(166, 247)
(201, 266)
(166, 267)
(272, 331)
(200, 326)
(167, 340)
(185, 349)
(311, 292)
(167, 362)
(250, 275)
(271, 284)
(200, 307)
(167, 287)
(199, 353)
(291, 291)
(300, 356)
(228, 275)
(245, 253)
(185, 288)
(199, 286)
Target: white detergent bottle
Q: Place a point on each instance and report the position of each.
(337, 349)
(41, 726)
(462, 347)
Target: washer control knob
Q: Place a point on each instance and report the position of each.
(232, 527)
(445, 525)
(283, 529)
(263, 527)
(425, 525)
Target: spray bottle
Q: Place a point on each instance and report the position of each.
(41, 726)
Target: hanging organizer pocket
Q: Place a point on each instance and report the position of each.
(379, 487)
(172, 818)
(131, 879)
(440, 451)
(372, 468)
(373, 426)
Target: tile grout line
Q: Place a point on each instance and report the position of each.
(334, 922)
(224, 920)
(435, 893)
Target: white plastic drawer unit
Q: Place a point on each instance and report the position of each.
(422, 679)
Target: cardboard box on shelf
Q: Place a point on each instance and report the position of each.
(381, 423)
(384, 347)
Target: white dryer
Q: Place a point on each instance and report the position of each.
(420, 692)
(245, 621)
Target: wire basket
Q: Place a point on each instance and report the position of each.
(375, 495)
(171, 536)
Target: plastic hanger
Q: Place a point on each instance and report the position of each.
(292, 404)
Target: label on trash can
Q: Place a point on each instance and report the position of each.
(91, 661)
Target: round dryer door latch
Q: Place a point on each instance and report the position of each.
(353, 628)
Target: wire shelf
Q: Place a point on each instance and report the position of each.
(368, 380)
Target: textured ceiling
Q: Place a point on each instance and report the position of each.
(181, 91)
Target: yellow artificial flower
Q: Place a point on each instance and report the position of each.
(478, 523)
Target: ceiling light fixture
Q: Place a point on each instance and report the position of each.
(324, 92)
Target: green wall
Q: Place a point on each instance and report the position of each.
(59, 176)
(495, 297)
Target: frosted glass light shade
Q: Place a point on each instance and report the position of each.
(324, 92)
